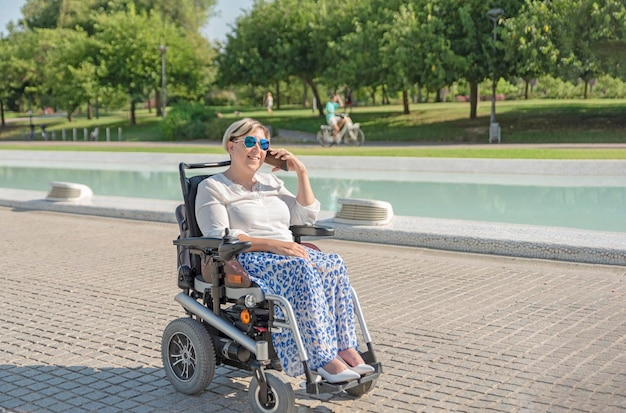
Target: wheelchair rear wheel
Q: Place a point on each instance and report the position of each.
(188, 355)
(281, 397)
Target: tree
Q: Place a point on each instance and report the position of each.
(608, 42)
(576, 24)
(131, 66)
(294, 41)
(190, 15)
(529, 42)
(41, 14)
(250, 56)
(470, 33)
(415, 49)
(18, 62)
(355, 57)
(66, 63)
(70, 73)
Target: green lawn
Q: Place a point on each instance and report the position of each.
(430, 130)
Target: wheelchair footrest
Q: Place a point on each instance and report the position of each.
(322, 387)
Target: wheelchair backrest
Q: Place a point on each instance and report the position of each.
(186, 213)
(189, 186)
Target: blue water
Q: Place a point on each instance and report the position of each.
(573, 205)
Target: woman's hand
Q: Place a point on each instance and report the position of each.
(289, 248)
(293, 163)
(305, 194)
(275, 246)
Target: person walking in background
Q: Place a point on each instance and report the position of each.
(269, 102)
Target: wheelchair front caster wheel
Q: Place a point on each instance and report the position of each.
(281, 397)
(188, 355)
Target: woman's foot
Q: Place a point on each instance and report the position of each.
(336, 372)
(355, 362)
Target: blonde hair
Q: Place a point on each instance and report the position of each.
(242, 128)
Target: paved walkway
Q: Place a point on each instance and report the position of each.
(84, 301)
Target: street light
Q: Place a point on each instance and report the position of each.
(163, 50)
(31, 135)
(494, 128)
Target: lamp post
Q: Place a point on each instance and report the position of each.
(494, 128)
(163, 50)
(31, 134)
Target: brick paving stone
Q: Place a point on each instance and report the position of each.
(85, 300)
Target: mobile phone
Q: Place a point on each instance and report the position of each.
(279, 163)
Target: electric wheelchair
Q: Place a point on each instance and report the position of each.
(229, 320)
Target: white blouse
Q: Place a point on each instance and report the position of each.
(265, 212)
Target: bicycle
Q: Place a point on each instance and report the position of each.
(350, 133)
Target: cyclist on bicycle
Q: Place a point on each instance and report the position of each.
(336, 122)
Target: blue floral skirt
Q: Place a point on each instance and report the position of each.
(319, 291)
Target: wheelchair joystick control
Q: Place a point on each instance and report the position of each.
(231, 247)
(229, 239)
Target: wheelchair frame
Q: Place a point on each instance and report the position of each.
(232, 324)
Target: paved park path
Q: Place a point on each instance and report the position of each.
(84, 301)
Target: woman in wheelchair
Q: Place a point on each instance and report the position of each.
(257, 207)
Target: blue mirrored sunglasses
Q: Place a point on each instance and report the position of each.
(250, 141)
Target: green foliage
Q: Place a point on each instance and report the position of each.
(189, 121)
(222, 97)
(609, 87)
(377, 48)
(554, 88)
(534, 121)
(529, 41)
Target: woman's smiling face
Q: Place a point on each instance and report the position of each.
(251, 157)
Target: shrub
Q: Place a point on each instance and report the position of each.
(553, 88)
(609, 87)
(188, 120)
(221, 98)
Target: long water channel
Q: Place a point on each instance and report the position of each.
(586, 202)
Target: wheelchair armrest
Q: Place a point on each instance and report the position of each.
(198, 242)
(311, 231)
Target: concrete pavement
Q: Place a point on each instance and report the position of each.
(85, 300)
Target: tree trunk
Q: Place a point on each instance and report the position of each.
(405, 101)
(305, 95)
(385, 97)
(157, 103)
(89, 110)
(320, 107)
(133, 118)
(2, 121)
(277, 95)
(473, 99)
(586, 86)
(526, 89)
